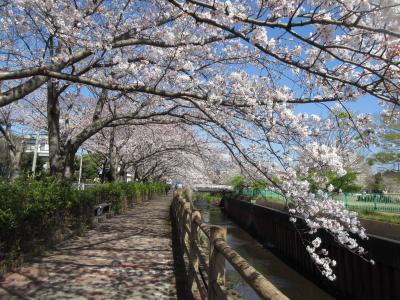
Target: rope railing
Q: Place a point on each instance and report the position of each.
(206, 250)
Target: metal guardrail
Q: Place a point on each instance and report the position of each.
(206, 250)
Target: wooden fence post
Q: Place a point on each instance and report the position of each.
(216, 274)
(181, 213)
(186, 215)
(193, 253)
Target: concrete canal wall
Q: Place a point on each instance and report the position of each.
(356, 278)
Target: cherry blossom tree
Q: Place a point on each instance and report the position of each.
(154, 152)
(77, 118)
(236, 70)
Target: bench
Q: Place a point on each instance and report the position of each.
(102, 208)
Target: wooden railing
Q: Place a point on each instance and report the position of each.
(205, 250)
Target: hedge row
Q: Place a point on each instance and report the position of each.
(35, 214)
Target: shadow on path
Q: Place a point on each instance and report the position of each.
(182, 285)
(127, 257)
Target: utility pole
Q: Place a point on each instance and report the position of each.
(35, 155)
(80, 171)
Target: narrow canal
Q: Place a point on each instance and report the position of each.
(291, 283)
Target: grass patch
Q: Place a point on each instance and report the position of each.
(379, 216)
(209, 197)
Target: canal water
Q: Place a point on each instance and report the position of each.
(290, 282)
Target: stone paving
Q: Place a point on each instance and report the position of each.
(129, 256)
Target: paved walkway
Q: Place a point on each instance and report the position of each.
(127, 257)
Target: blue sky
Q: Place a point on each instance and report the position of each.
(366, 104)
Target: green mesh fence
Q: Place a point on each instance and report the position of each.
(357, 201)
(250, 192)
(370, 202)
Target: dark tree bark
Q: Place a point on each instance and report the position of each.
(15, 159)
(69, 161)
(53, 127)
(15, 148)
(113, 157)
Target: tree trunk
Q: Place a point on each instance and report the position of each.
(125, 178)
(136, 174)
(69, 162)
(61, 156)
(15, 149)
(53, 124)
(15, 160)
(113, 156)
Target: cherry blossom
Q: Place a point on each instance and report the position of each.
(234, 71)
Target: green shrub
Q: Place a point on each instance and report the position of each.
(209, 197)
(258, 184)
(33, 212)
(238, 183)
